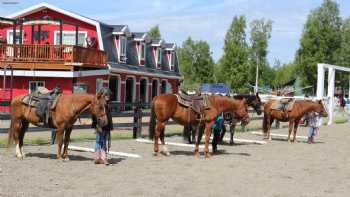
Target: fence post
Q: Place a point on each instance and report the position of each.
(137, 121)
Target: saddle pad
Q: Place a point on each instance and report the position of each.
(187, 103)
(33, 101)
(277, 105)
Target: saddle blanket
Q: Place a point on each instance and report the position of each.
(278, 105)
(197, 105)
(34, 101)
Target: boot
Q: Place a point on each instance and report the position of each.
(97, 158)
(309, 140)
(104, 157)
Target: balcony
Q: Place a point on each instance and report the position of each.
(51, 57)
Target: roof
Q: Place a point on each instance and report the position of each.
(170, 46)
(120, 29)
(219, 88)
(139, 36)
(125, 68)
(42, 6)
(157, 42)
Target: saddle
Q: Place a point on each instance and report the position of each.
(197, 102)
(284, 104)
(44, 101)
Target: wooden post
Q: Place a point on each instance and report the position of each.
(61, 28)
(21, 32)
(76, 34)
(39, 34)
(33, 32)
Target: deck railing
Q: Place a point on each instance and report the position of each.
(52, 53)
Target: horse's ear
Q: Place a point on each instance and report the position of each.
(99, 95)
(320, 101)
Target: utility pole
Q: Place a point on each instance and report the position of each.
(256, 89)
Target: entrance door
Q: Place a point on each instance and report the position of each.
(129, 93)
(114, 87)
(143, 90)
(154, 88)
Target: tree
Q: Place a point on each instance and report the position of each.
(233, 66)
(260, 34)
(154, 32)
(320, 41)
(197, 65)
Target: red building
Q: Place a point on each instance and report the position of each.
(54, 46)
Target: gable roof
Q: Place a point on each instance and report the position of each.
(140, 36)
(170, 46)
(157, 42)
(120, 29)
(42, 6)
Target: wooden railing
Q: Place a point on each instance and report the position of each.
(52, 53)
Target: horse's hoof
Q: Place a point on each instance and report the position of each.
(207, 155)
(167, 153)
(66, 158)
(19, 156)
(156, 154)
(196, 154)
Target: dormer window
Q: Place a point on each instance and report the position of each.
(122, 49)
(141, 46)
(159, 57)
(172, 61)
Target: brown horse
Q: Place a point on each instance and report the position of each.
(66, 112)
(300, 108)
(166, 106)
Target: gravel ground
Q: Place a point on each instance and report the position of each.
(274, 169)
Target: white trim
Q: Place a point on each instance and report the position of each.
(134, 88)
(41, 6)
(8, 35)
(147, 84)
(171, 65)
(143, 73)
(69, 31)
(41, 22)
(64, 74)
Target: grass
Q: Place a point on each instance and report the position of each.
(340, 120)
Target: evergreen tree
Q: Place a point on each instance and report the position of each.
(154, 32)
(320, 41)
(233, 66)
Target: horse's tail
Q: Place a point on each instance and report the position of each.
(264, 126)
(152, 122)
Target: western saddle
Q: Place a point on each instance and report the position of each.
(197, 102)
(44, 101)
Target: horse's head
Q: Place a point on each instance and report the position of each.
(255, 103)
(98, 109)
(320, 108)
(241, 113)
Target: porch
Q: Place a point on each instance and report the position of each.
(65, 57)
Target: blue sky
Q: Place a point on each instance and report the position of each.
(201, 19)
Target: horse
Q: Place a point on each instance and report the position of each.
(66, 112)
(300, 108)
(166, 106)
(253, 100)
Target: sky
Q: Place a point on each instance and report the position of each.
(201, 19)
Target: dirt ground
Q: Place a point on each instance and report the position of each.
(274, 169)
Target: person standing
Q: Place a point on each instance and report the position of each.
(103, 136)
(313, 127)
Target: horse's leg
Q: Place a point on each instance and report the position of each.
(290, 128)
(199, 132)
(268, 126)
(162, 136)
(296, 124)
(159, 127)
(215, 141)
(232, 133)
(222, 134)
(66, 143)
(193, 132)
(59, 139)
(24, 128)
(16, 128)
(208, 127)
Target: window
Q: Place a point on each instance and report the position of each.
(172, 60)
(68, 38)
(80, 88)
(123, 43)
(143, 51)
(159, 57)
(10, 36)
(33, 85)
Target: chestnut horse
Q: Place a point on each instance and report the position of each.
(166, 106)
(66, 112)
(300, 108)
